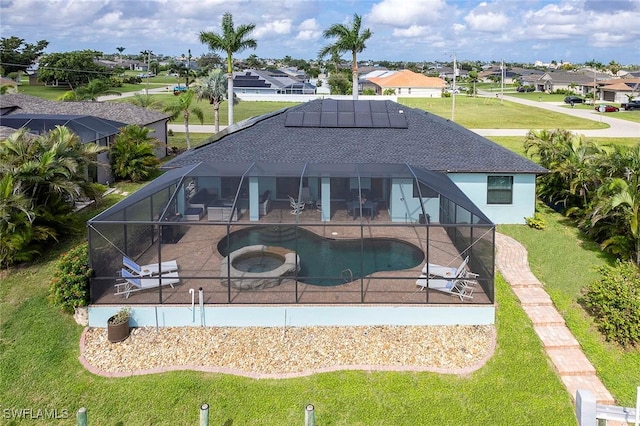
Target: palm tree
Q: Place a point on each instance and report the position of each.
(619, 201)
(42, 177)
(231, 41)
(120, 49)
(132, 153)
(349, 39)
(213, 88)
(182, 105)
(145, 101)
(91, 91)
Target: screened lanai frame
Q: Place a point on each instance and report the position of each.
(150, 226)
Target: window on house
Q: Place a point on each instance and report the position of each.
(499, 189)
(399, 90)
(409, 90)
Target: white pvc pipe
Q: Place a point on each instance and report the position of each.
(193, 304)
(638, 406)
(201, 301)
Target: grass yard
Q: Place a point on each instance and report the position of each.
(39, 369)
(516, 143)
(490, 113)
(563, 277)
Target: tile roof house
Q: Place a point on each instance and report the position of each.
(407, 83)
(619, 89)
(96, 122)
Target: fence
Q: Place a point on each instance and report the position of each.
(590, 413)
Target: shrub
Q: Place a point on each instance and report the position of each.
(614, 302)
(536, 222)
(70, 284)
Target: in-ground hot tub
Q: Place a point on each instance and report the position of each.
(258, 266)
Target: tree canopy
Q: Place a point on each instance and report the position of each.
(17, 55)
(73, 68)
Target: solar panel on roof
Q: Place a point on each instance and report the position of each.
(398, 121)
(345, 106)
(329, 105)
(363, 120)
(362, 106)
(311, 119)
(294, 119)
(380, 119)
(378, 107)
(346, 119)
(329, 119)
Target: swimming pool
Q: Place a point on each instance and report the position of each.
(329, 262)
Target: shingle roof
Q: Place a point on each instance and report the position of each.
(123, 112)
(428, 141)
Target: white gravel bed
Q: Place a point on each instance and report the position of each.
(276, 351)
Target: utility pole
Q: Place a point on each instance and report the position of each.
(502, 81)
(453, 92)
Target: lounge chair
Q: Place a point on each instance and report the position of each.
(132, 282)
(457, 287)
(296, 207)
(438, 271)
(150, 269)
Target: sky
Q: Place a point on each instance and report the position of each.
(573, 31)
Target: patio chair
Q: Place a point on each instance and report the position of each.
(296, 207)
(150, 269)
(433, 270)
(456, 287)
(132, 282)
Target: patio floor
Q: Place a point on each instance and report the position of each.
(195, 250)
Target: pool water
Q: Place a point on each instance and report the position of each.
(329, 262)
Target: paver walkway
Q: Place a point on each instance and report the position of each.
(575, 370)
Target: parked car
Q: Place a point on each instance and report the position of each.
(607, 108)
(631, 105)
(573, 100)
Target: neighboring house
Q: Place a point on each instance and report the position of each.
(270, 82)
(580, 83)
(619, 89)
(93, 121)
(407, 83)
(366, 174)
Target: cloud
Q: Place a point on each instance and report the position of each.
(273, 28)
(491, 22)
(412, 31)
(405, 13)
(309, 29)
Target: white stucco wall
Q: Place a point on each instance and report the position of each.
(524, 196)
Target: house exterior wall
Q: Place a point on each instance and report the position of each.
(404, 207)
(523, 203)
(159, 131)
(297, 316)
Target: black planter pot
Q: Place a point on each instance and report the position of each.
(117, 332)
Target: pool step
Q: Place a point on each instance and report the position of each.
(275, 234)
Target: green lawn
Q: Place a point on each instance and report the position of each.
(40, 370)
(490, 113)
(563, 277)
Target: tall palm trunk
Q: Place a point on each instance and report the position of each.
(354, 77)
(186, 130)
(230, 96)
(216, 117)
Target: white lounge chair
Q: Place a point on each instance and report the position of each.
(433, 270)
(457, 287)
(150, 269)
(132, 282)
